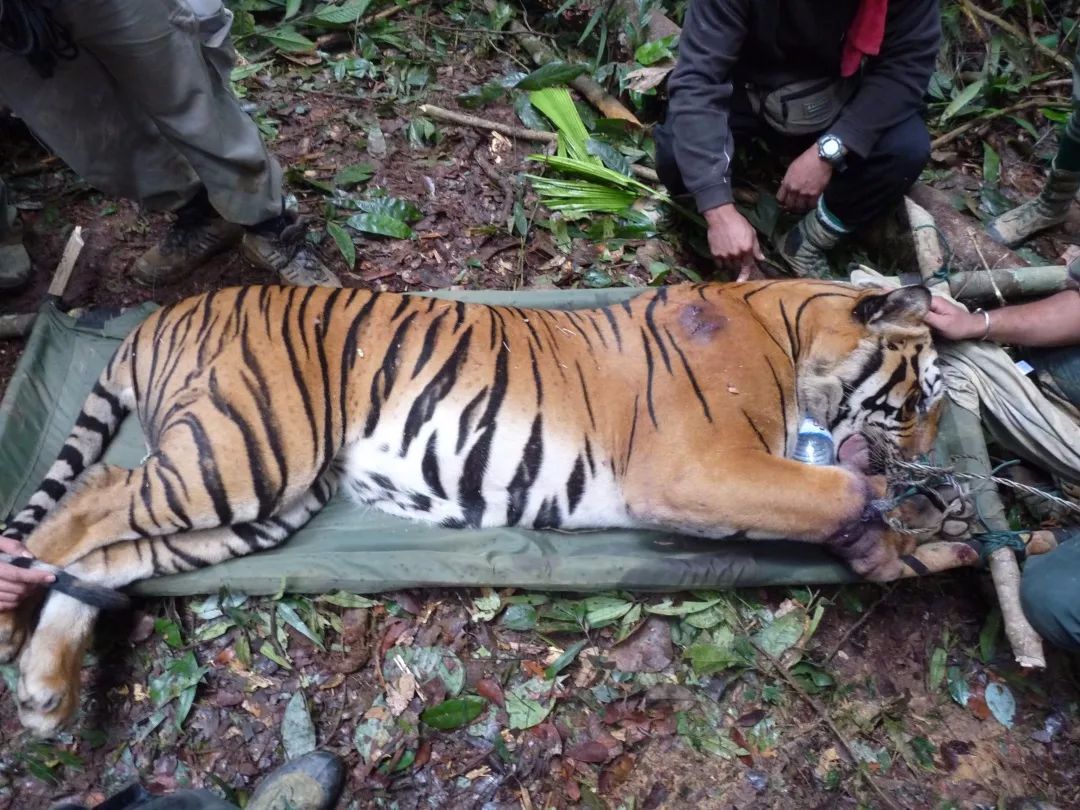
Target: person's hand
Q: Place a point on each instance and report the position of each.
(953, 322)
(18, 583)
(733, 241)
(804, 181)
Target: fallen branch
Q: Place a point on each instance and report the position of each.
(960, 440)
(1008, 27)
(475, 122)
(826, 718)
(387, 13)
(963, 129)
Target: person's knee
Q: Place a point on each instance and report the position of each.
(906, 147)
(1049, 595)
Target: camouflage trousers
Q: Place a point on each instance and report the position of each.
(145, 110)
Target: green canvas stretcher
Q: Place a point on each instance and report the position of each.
(361, 550)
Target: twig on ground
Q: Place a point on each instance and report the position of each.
(386, 13)
(963, 129)
(1008, 27)
(466, 120)
(781, 670)
(858, 624)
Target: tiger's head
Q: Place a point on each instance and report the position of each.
(871, 372)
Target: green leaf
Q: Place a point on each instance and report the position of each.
(988, 636)
(344, 243)
(655, 51)
(600, 611)
(519, 617)
(481, 95)
(170, 631)
(991, 165)
(267, 650)
(938, 659)
(780, 636)
(527, 113)
(486, 607)
(1002, 704)
(241, 72)
(612, 157)
(290, 40)
(292, 8)
(289, 615)
(297, 730)
(345, 14)
(958, 686)
(381, 225)
(374, 734)
(391, 207)
(962, 99)
(454, 713)
(347, 600)
(354, 174)
(427, 663)
(669, 608)
(208, 632)
(708, 658)
(528, 704)
(565, 660)
(421, 132)
(550, 75)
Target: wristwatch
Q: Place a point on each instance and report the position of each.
(831, 150)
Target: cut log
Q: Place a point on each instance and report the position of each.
(1007, 284)
(968, 247)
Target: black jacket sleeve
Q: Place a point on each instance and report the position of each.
(700, 94)
(894, 81)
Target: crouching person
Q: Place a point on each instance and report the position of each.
(840, 82)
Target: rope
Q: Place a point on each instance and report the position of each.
(943, 272)
(992, 541)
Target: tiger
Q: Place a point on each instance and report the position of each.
(677, 409)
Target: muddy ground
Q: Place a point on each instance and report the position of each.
(888, 668)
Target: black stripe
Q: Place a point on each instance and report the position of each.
(591, 317)
(118, 410)
(383, 380)
(537, 380)
(575, 485)
(53, 488)
(429, 467)
(690, 375)
(650, 369)
(517, 494)
(757, 432)
(71, 456)
(574, 319)
(297, 375)
(548, 516)
(429, 344)
(93, 424)
(475, 467)
(301, 316)
(260, 480)
(438, 387)
(171, 500)
(650, 322)
(783, 401)
(589, 456)
(402, 304)
(585, 394)
(208, 468)
(465, 420)
(614, 326)
(322, 329)
(459, 314)
(259, 392)
(633, 433)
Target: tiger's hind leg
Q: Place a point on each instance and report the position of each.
(50, 664)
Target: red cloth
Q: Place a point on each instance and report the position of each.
(865, 35)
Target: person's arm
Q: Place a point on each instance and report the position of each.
(895, 81)
(700, 90)
(18, 583)
(1053, 321)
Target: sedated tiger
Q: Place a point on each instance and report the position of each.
(676, 410)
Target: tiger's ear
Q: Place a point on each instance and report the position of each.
(904, 307)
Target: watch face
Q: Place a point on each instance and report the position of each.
(830, 147)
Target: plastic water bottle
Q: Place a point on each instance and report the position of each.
(814, 444)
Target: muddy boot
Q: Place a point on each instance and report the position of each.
(14, 260)
(1045, 211)
(278, 247)
(805, 246)
(197, 235)
(311, 782)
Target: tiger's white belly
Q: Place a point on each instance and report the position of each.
(377, 474)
